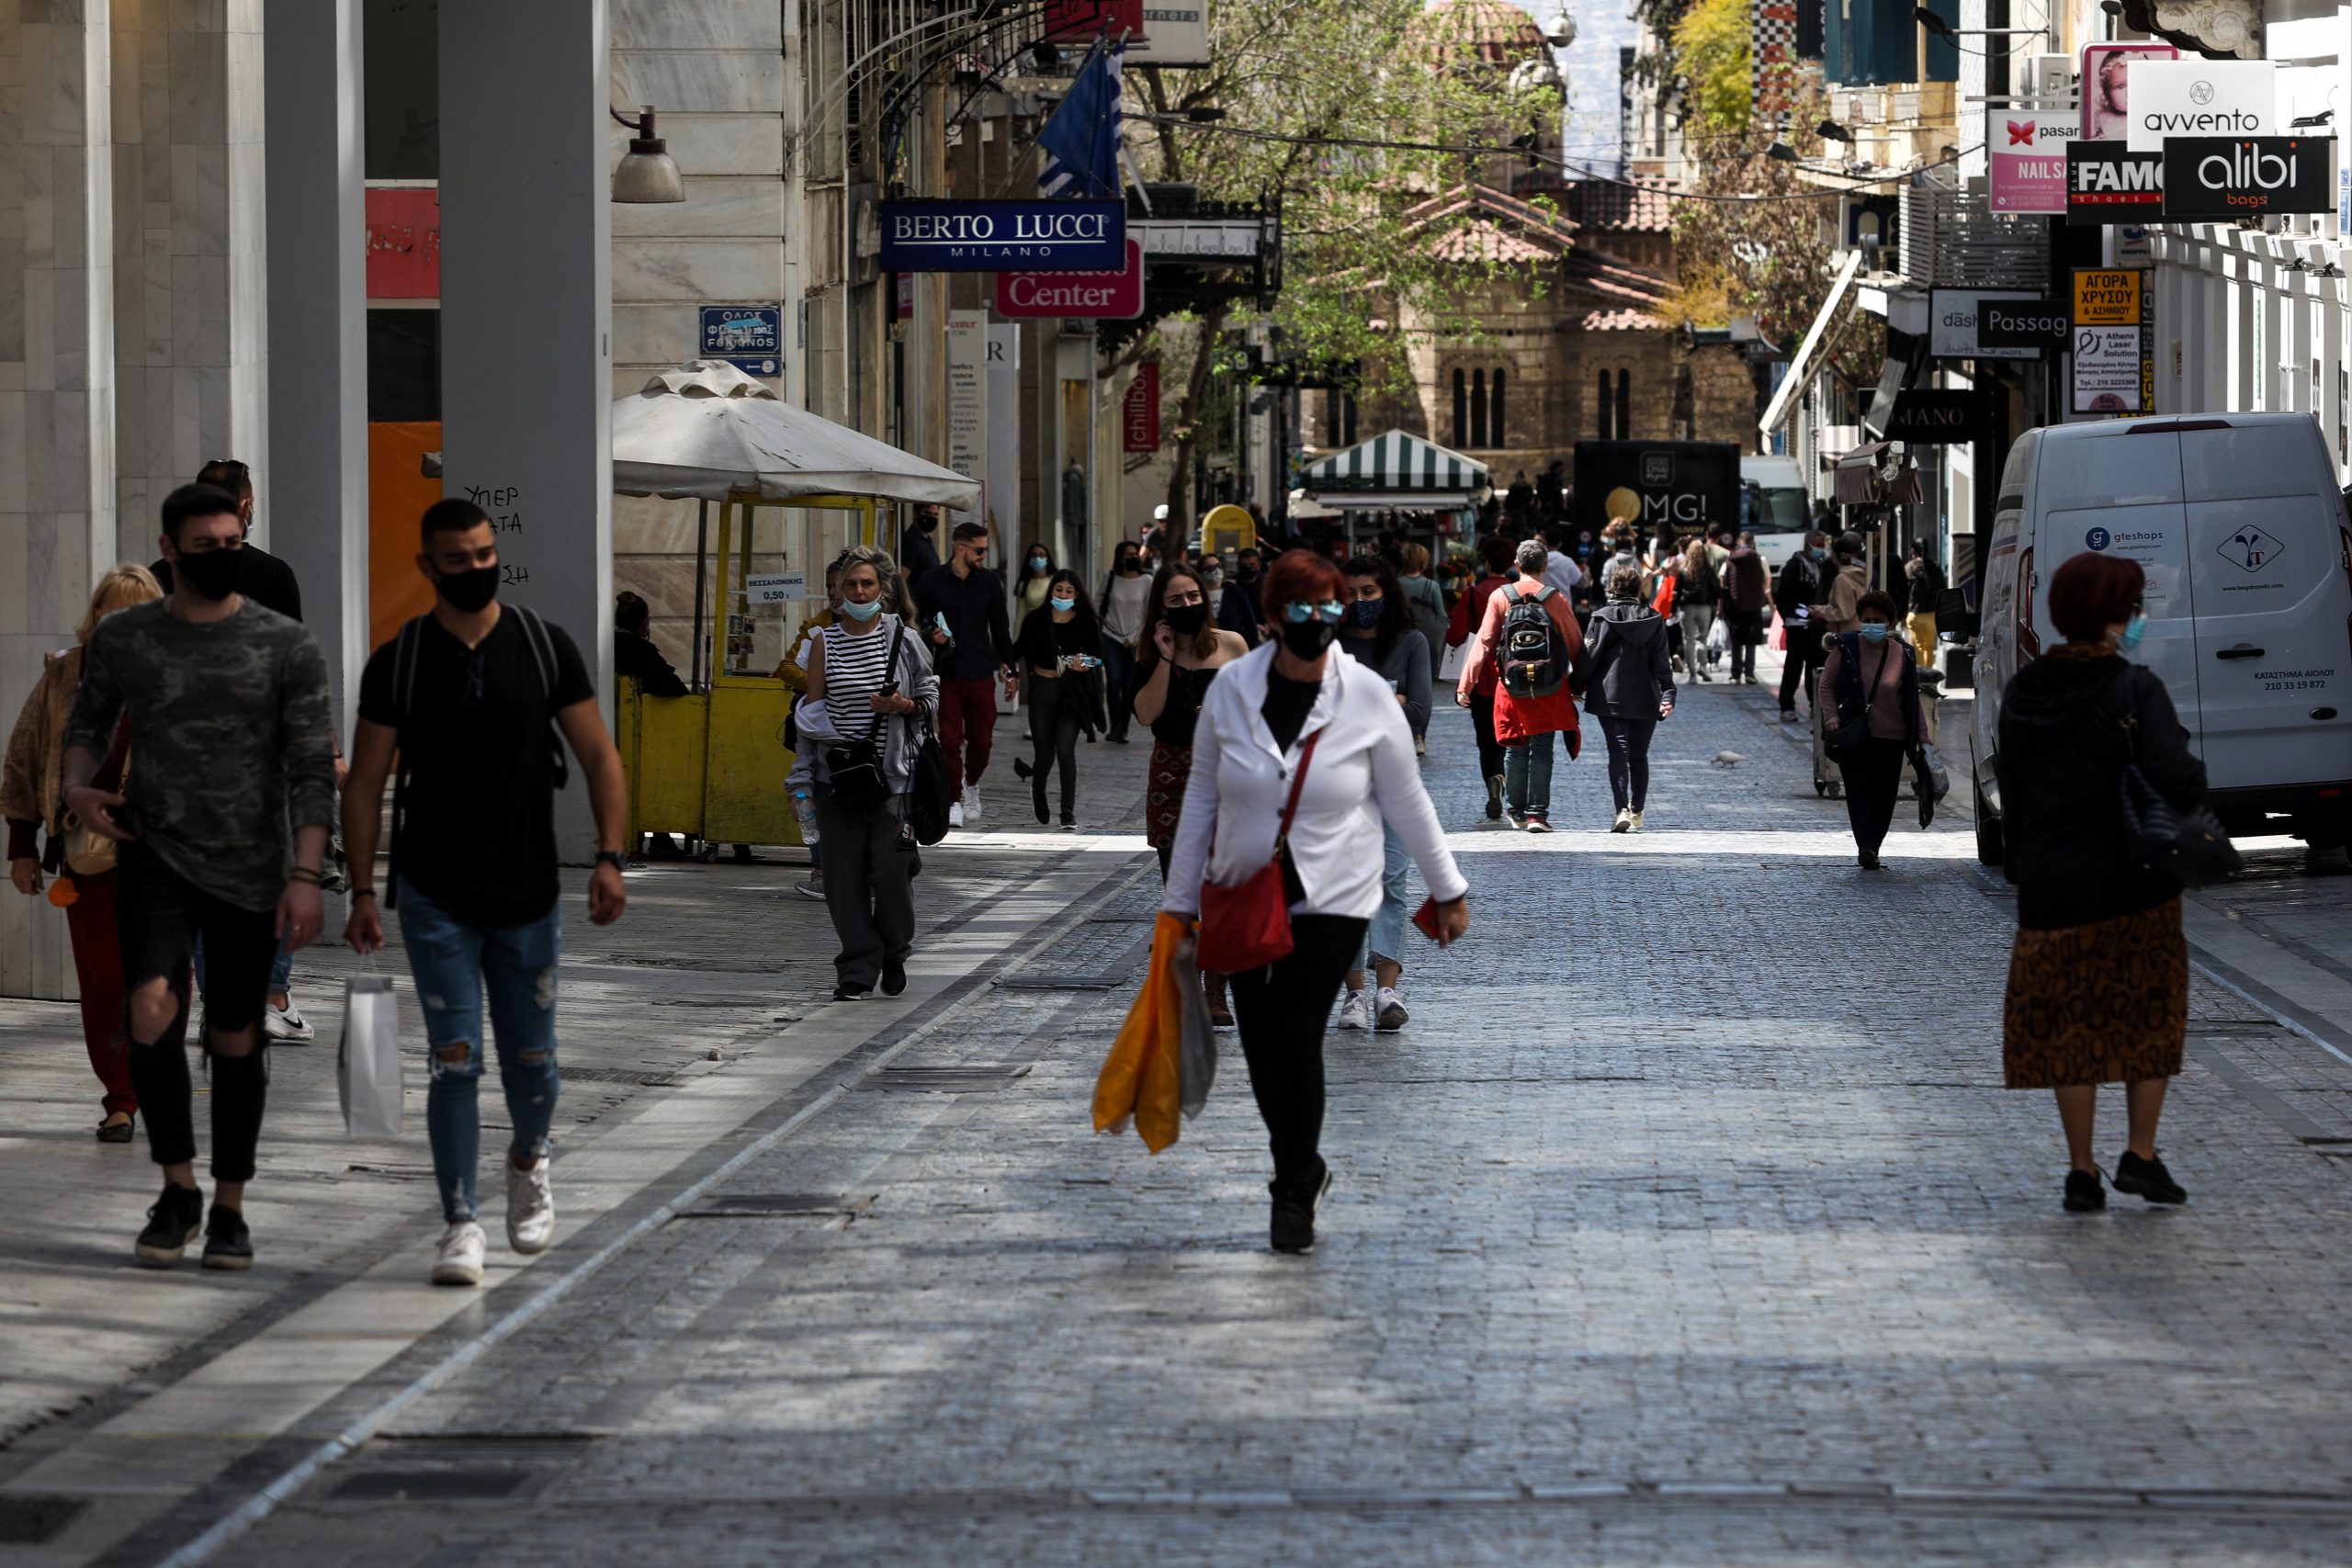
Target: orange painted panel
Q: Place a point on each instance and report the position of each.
(398, 493)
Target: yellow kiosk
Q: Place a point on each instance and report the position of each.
(793, 491)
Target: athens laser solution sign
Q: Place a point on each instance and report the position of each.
(2201, 97)
(999, 236)
(2209, 177)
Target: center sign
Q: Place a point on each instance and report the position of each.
(934, 235)
(1090, 296)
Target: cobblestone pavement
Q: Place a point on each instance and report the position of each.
(1687, 1223)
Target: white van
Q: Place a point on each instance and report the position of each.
(1773, 503)
(2237, 520)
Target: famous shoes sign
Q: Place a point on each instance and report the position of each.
(2209, 177)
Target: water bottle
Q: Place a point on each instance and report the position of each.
(805, 810)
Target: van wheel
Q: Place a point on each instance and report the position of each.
(1988, 832)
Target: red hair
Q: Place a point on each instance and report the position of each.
(1300, 577)
(2092, 592)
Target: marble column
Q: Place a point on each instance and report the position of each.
(527, 313)
(318, 323)
(190, 311)
(57, 384)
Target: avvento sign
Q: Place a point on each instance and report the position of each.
(2215, 176)
(2201, 97)
(995, 236)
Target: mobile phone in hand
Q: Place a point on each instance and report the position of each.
(1426, 918)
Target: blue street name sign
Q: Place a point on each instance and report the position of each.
(743, 332)
(987, 236)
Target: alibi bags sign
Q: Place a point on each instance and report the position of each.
(2210, 177)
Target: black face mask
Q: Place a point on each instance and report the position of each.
(212, 574)
(1129, 566)
(1186, 620)
(468, 591)
(1310, 637)
(1249, 573)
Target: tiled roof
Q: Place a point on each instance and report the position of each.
(1483, 242)
(1620, 322)
(1640, 207)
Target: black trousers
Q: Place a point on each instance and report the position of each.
(1053, 734)
(1490, 751)
(1804, 664)
(158, 914)
(1281, 1010)
(1746, 631)
(1873, 776)
(1629, 757)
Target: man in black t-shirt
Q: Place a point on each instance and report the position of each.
(472, 695)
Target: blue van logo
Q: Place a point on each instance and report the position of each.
(2099, 538)
(2251, 548)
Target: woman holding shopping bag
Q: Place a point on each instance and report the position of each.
(33, 804)
(1297, 759)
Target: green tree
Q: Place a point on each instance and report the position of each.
(1711, 43)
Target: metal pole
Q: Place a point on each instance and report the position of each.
(702, 566)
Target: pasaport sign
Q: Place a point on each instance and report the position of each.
(999, 236)
(2044, 325)
(1934, 416)
(2247, 176)
(1094, 295)
(2109, 183)
(2025, 156)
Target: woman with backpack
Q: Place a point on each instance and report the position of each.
(1696, 589)
(871, 687)
(1379, 633)
(2099, 977)
(1628, 680)
(1869, 703)
(1528, 642)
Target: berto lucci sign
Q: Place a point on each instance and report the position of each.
(1002, 236)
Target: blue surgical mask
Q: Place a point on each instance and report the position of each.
(1063, 602)
(1817, 553)
(858, 612)
(1872, 631)
(2134, 630)
(1365, 612)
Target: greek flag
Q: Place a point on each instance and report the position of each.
(1080, 143)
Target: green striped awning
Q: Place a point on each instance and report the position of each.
(1396, 463)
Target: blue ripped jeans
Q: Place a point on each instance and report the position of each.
(1385, 937)
(455, 964)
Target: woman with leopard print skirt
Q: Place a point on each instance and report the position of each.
(2098, 979)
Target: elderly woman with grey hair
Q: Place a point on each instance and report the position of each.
(871, 688)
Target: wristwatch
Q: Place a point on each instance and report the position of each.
(619, 861)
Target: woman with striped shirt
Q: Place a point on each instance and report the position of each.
(860, 695)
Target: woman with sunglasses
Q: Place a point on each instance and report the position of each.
(1288, 719)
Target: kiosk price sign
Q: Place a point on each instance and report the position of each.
(2114, 342)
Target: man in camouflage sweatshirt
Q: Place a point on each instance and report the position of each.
(232, 739)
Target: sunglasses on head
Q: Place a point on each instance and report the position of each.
(1299, 613)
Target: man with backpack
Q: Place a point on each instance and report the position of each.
(1529, 641)
(473, 695)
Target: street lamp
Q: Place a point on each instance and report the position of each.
(647, 174)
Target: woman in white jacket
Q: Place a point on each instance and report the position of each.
(1257, 726)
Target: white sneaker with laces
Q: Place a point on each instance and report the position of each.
(1624, 823)
(972, 810)
(1635, 825)
(287, 1024)
(460, 1259)
(1391, 1015)
(954, 814)
(531, 1207)
(1354, 1016)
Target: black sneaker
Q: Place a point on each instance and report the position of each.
(226, 1243)
(1293, 1226)
(2147, 1178)
(2084, 1193)
(1494, 797)
(172, 1224)
(894, 976)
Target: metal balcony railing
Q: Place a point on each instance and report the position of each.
(1950, 239)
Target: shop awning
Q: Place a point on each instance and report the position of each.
(1792, 388)
(1407, 470)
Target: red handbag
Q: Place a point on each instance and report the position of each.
(1246, 925)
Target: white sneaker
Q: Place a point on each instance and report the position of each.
(954, 814)
(1391, 1016)
(286, 1023)
(972, 809)
(1635, 825)
(460, 1260)
(531, 1207)
(1354, 1016)
(1624, 824)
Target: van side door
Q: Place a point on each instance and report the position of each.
(2265, 555)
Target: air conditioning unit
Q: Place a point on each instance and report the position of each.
(2049, 79)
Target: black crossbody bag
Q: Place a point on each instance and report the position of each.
(854, 768)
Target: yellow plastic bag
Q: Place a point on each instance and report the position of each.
(1139, 1081)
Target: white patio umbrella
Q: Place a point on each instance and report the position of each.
(706, 431)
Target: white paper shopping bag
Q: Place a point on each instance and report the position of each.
(370, 1068)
